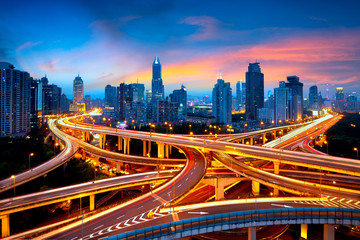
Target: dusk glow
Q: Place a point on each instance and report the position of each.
(114, 42)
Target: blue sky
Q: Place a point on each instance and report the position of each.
(109, 42)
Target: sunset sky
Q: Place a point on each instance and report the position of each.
(109, 42)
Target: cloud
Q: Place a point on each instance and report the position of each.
(27, 45)
(111, 27)
(49, 66)
(318, 19)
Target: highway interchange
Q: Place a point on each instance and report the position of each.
(133, 214)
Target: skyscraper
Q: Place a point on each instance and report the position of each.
(282, 102)
(157, 88)
(51, 99)
(87, 101)
(254, 90)
(64, 103)
(240, 94)
(34, 103)
(78, 90)
(222, 99)
(313, 98)
(297, 96)
(110, 96)
(179, 96)
(14, 101)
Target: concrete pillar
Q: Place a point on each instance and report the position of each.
(274, 134)
(160, 150)
(5, 225)
(276, 192)
(219, 194)
(255, 188)
(144, 148)
(251, 141)
(166, 151)
(264, 138)
(251, 233)
(117, 167)
(329, 232)
(92, 202)
(83, 135)
(304, 230)
(149, 147)
(119, 143)
(276, 167)
(170, 149)
(128, 145)
(83, 154)
(102, 140)
(125, 145)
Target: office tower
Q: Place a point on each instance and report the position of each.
(282, 102)
(269, 103)
(297, 96)
(167, 111)
(14, 101)
(148, 105)
(313, 103)
(206, 99)
(51, 99)
(64, 103)
(254, 90)
(351, 103)
(78, 90)
(157, 88)
(137, 92)
(87, 101)
(222, 99)
(339, 99)
(123, 96)
(34, 104)
(327, 91)
(240, 95)
(110, 96)
(179, 96)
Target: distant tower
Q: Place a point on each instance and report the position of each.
(327, 91)
(157, 87)
(78, 90)
(294, 83)
(254, 90)
(222, 101)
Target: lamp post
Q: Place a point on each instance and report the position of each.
(13, 177)
(339, 193)
(327, 147)
(357, 153)
(30, 155)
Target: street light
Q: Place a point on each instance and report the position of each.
(327, 147)
(30, 155)
(357, 153)
(13, 177)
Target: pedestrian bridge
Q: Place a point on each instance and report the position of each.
(249, 219)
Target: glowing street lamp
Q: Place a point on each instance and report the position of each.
(13, 177)
(30, 155)
(327, 147)
(357, 153)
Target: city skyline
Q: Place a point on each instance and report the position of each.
(107, 46)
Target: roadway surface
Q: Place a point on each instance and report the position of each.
(189, 176)
(69, 150)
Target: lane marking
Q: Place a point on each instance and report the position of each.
(120, 217)
(98, 227)
(140, 207)
(357, 202)
(179, 185)
(285, 206)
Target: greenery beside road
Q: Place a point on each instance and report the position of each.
(343, 137)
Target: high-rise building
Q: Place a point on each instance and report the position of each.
(221, 101)
(78, 90)
(87, 101)
(339, 99)
(206, 99)
(254, 90)
(110, 96)
(14, 101)
(51, 99)
(34, 104)
(137, 92)
(179, 96)
(168, 111)
(64, 104)
(282, 102)
(148, 105)
(240, 95)
(296, 86)
(313, 98)
(157, 88)
(123, 96)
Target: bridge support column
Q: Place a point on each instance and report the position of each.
(5, 225)
(117, 167)
(92, 202)
(149, 147)
(251, 141)
(128, 145)
(251, 233)
(264, 138)
(304, 230)
(255, 188)
(274, 135)
(83, 154)
(329, 232)
(144, 148)
(160, 150)
(276, 171)
(219, 194)
(166, 151)
(102, 140)
(125, 145)
(119, 143)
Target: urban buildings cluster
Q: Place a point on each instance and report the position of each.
(25, 100)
